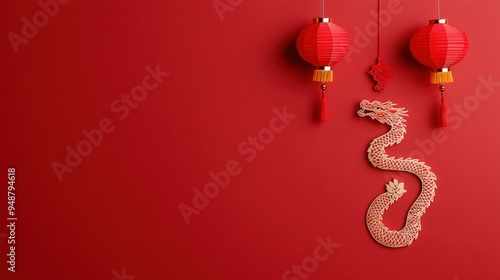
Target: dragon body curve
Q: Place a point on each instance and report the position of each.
(394, 117)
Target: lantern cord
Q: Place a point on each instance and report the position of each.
(439, 9)
(323, 7)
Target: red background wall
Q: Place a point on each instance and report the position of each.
(116, 215)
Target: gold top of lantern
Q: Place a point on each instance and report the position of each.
(438, 21)
(322, 19)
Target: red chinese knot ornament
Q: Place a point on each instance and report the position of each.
(439, 46)
(381, 74)
(323, 44)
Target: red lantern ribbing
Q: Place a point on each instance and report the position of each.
(323, 44)
(439, 46)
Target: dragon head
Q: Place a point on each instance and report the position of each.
(382, 112)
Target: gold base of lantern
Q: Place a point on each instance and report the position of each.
(441, 76)
(323, 74)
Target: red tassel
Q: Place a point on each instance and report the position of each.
(444, 119)
(323, 115)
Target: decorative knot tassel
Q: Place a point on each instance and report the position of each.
(323, 114)
(443, 120)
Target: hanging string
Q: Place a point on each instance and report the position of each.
(378, 45)
(323, 7)
(439, 9)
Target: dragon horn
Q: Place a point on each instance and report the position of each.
(389, 103)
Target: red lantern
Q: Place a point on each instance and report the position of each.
(439, 46)
(323, 44)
